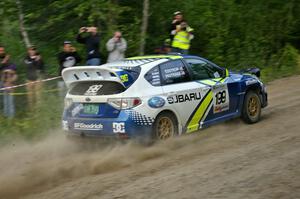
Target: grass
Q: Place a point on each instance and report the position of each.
(44, 116)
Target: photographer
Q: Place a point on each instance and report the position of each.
(177, 19)
(68, 57)
(92, 42)
(182, 38)
(34, 64)
(34, 70)
(116, 47)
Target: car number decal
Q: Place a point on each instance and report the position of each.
(221, 98)
(93, 89)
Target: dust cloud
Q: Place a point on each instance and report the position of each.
(30, 167)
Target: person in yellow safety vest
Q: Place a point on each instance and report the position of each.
(182, 39)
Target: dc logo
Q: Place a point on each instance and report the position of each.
(93, 90)
(118, 127)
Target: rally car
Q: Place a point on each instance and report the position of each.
(157, 97)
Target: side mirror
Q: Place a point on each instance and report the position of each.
(254, 71)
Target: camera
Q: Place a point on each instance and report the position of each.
(84, 29)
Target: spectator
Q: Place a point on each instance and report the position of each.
(116, 47)
(92, 42)
(34, 70)
(177, 19)
(4, 58)
(164, 49)
(68, 57)
(182, 38)
(8, 78)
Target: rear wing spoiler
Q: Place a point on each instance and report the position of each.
(89, 73)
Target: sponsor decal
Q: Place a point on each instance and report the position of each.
(171, 73)
(77, 110)
(155, 77)
(184, 97)
(118, 127)
(156, 102)
(218, 109)
(124, 78)
(83, 126)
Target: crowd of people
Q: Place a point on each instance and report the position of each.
(180, 36)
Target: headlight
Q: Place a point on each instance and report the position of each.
(265, 89)
(68, 102)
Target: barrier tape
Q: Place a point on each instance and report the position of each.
(38, 81)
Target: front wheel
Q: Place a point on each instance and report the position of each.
(252, 108)
(165, 126)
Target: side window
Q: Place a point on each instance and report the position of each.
(153, 76)
(203, 70)
(174, 72)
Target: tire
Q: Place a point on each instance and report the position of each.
(251, 108)
(165, 126)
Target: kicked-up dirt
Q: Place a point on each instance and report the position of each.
(230, 160)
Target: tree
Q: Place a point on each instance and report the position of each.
(234, 33)
(144, 26)
(21, 24)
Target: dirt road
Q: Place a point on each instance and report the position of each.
(230, 160)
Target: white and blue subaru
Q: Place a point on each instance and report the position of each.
(158, 97)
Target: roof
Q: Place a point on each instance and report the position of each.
(155, 57)
(140, 60)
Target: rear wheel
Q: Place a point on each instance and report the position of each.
(165, 126)
(252, 108)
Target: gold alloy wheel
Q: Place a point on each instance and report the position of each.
(253, 106)
(165, 128)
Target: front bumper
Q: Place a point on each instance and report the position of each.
(264, 99)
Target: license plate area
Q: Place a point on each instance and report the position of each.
(91, 109)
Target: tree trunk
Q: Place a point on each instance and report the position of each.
(144, 26)
(21, 24)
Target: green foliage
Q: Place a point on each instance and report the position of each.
(65, 17)
(233, 33)
(285, 63)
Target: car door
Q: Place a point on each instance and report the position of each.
(223, 89)
(183, 95)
